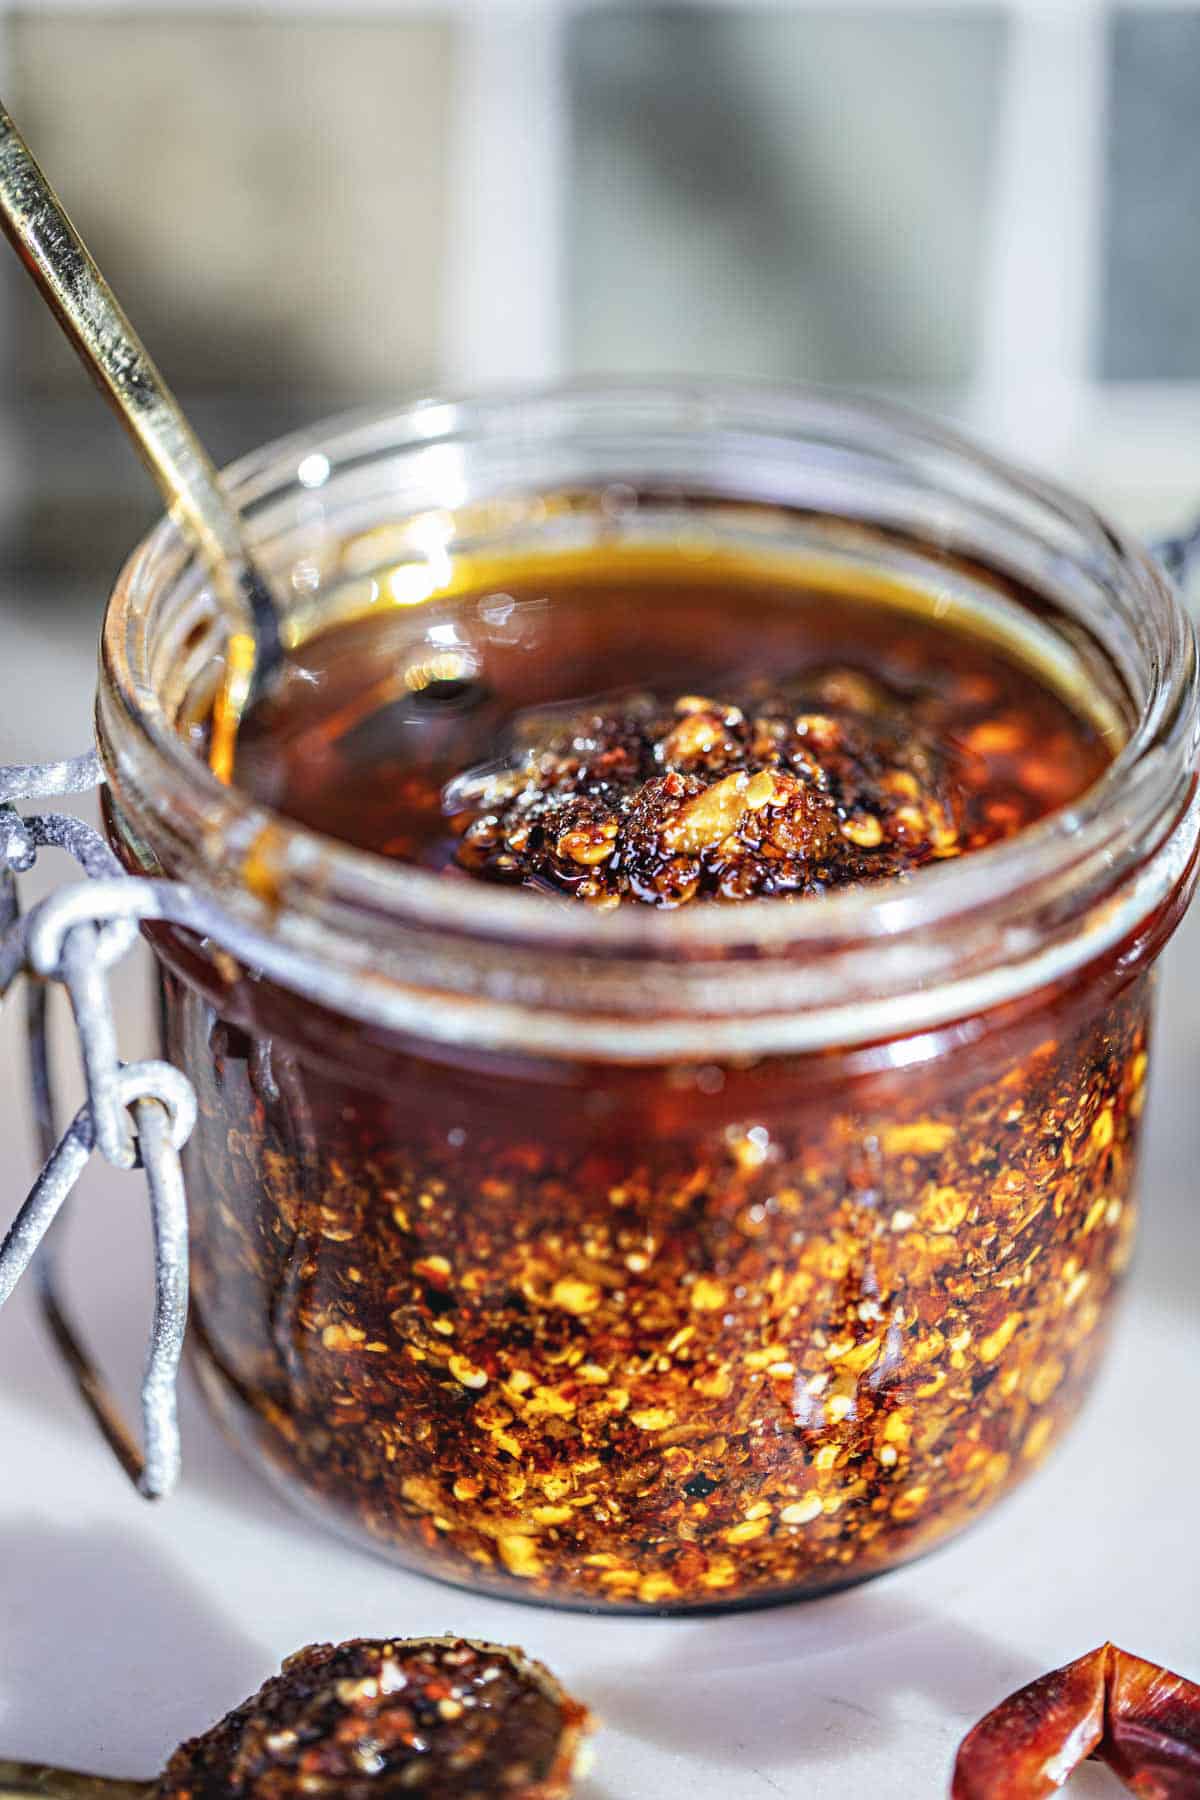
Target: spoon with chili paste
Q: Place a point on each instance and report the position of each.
(445, 1717)
(1140, 1719)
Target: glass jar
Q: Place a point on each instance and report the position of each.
(641, 1260)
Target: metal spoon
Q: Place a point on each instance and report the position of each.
(18, 1780)
(88, 311)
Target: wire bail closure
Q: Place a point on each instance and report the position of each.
(137, 1115)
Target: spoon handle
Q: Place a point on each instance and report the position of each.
(20, 1779)
(87, 309)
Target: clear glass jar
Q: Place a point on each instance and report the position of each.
(647, 1260)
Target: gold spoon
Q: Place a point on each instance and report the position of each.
(18, 1780)
(88, 311)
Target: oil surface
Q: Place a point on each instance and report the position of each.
(376, 717)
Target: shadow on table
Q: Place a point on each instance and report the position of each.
(764, 1693)
(109, 1655)
(31, 1374)
(107, 1280)
(1167, 1259)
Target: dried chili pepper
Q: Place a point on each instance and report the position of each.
(1140, 1719)
(436, 1716)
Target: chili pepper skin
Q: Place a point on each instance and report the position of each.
(1152, 1739)
(1140, 1719)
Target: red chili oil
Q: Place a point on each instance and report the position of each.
(656, 1336)
(393, 711)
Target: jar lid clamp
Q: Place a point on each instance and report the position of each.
(137, 1114)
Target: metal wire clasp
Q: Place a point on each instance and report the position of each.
(137, 1115)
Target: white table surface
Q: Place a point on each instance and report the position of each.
(125, 1627)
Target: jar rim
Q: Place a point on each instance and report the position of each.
(1076, 861)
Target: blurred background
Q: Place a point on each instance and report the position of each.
(984, 208)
